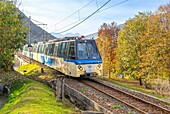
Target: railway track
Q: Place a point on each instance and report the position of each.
(138, 104)
(28, 60)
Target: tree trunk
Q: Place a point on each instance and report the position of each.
(140, 81)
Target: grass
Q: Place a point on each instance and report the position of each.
(116, 106)
(34, 71)
(31, 97)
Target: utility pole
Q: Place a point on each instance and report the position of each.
(40, 23)
(29, 32)
(29, 36)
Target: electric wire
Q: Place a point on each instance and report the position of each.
(38, 22)
(114, 5)
(98, 12)
(84, 19)
(69, 24)
(72, 14)
(92, 15)
(63, 19)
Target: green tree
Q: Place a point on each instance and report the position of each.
(156, 59)
(144, 46)
(130, 46)
(12, 33)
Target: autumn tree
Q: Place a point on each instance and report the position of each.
(130, 46)
(107, 42)
(156, 59)
(12, 32)
(144, 46)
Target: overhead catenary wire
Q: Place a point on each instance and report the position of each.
(98, 12)
(38, 22)
(92, 15)
(84, 19)
(78, 11)
(113, 5)
(69, 24)
(72, 14)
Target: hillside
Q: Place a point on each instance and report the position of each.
(37, 33)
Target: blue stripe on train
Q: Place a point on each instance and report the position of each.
(25, 53)
(77, 62)
(42, 59)
(49, 62)
(31, 55)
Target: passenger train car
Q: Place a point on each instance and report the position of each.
(73, 56)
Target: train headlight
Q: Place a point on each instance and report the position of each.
(98, 66)
(80, 68)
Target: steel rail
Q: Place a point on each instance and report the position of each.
(138, 98)
(135, 97)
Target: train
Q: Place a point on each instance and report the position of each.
(72, 56)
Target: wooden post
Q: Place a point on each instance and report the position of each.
(60, 88)
(42, 70)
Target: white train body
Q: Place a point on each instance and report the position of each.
(75, 57)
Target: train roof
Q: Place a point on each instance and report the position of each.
(71, 39)
(62, 39)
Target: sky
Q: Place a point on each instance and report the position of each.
(51, 12)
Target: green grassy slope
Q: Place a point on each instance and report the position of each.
(31, 97)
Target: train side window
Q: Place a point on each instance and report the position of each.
(59, 50)
(44, 51)
(38, 48)
(55, 50)
(63, 49)
(35, 48)
(66, 50)
(26, 48)
(51, 49)
(47, 49)
(71, 54)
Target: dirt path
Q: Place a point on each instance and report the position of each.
(2, 101)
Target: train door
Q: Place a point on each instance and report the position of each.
(34, 52)
(65, 57)
(39, 52)
(58, 63)
(49, 58)
(71, 67)
(45, 54)
(43, 51)
(55, 56)
(62, 56)
(51, 55)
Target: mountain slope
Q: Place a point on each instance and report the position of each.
(37, 34)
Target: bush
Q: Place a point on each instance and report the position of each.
(162, 87)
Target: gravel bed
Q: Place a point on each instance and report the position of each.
(126, 98)
(138, 94)
(99, 98)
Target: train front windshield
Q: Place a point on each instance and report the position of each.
(87, 49)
